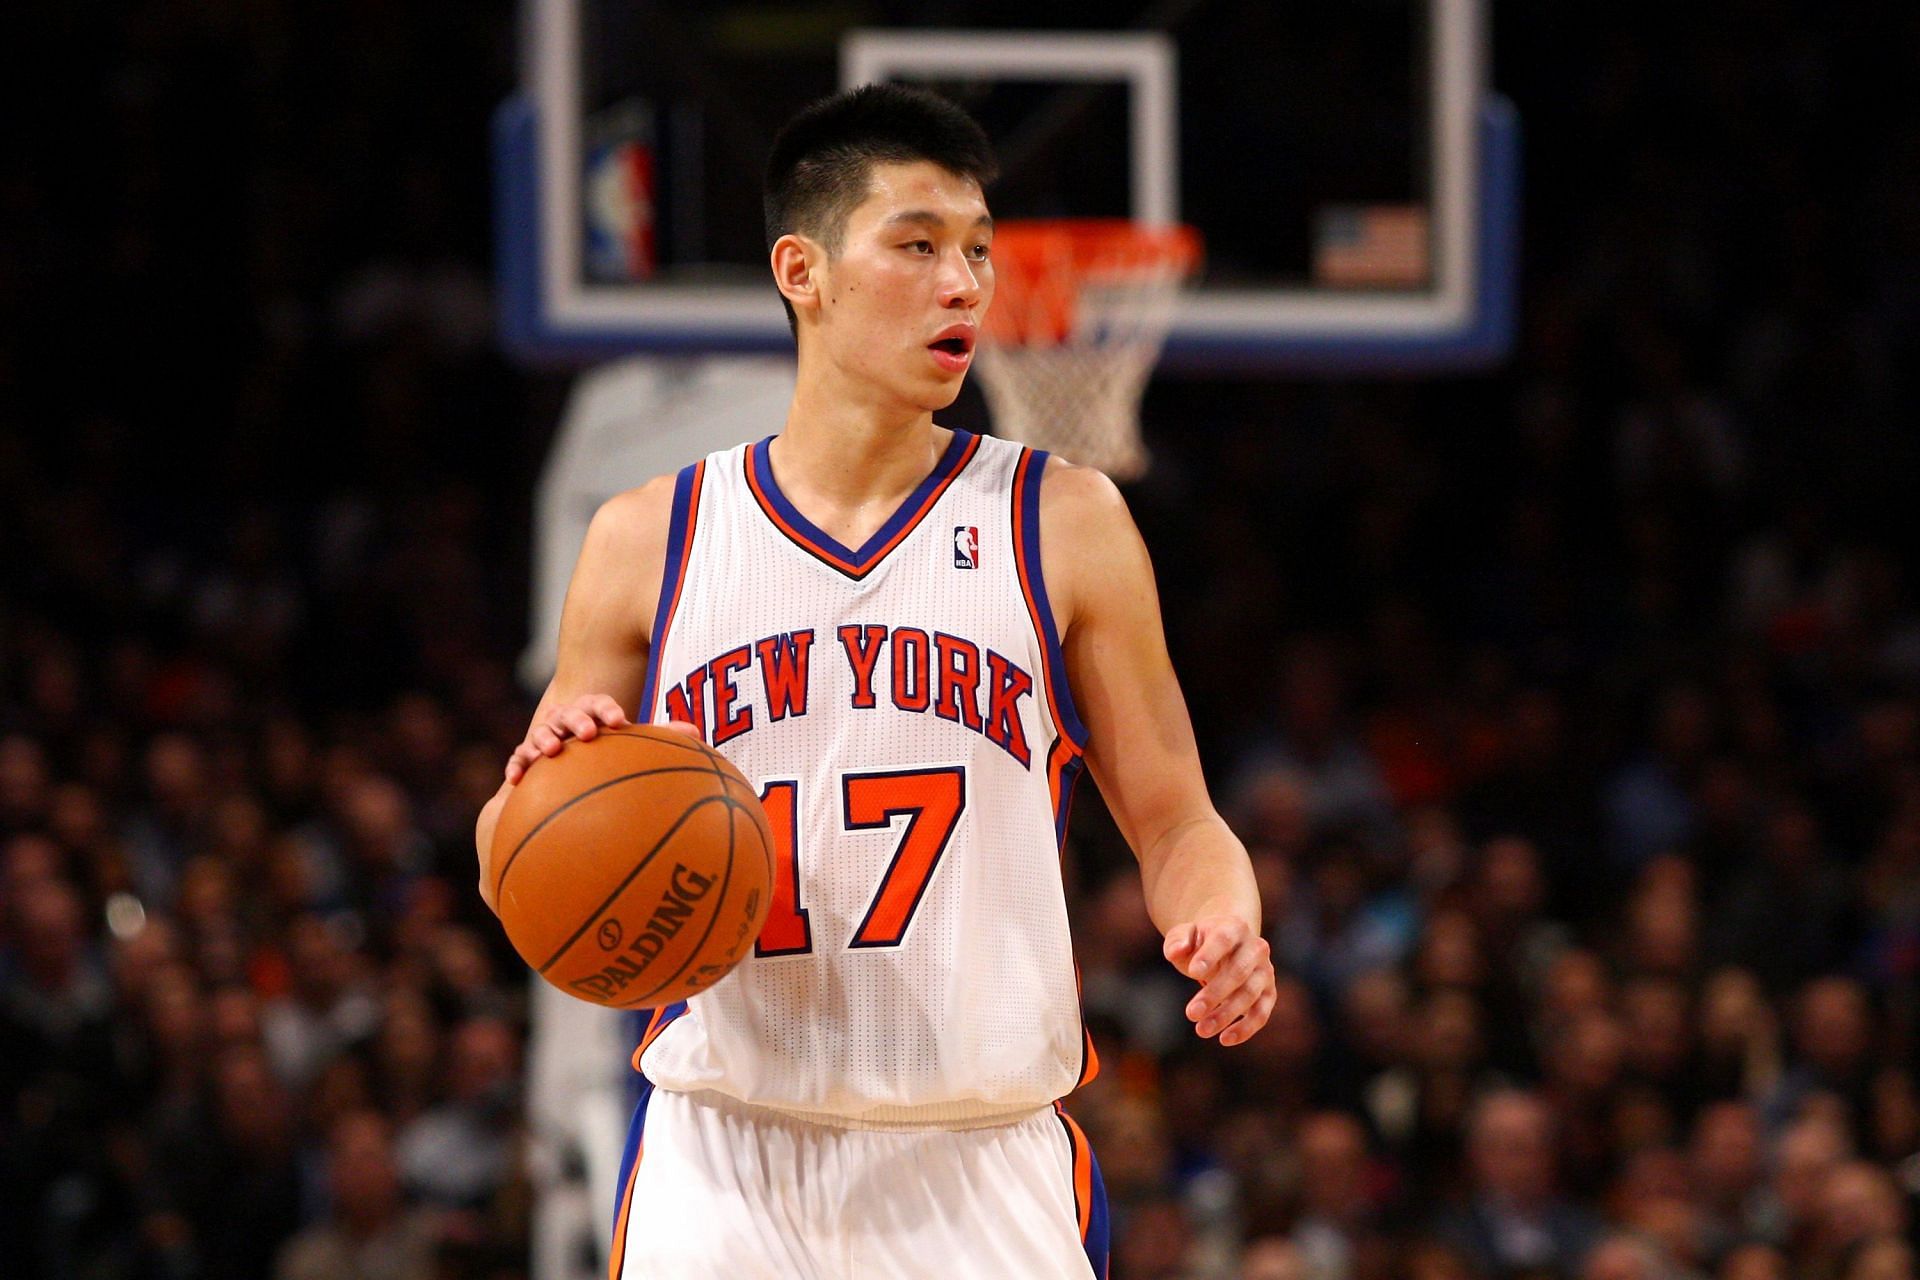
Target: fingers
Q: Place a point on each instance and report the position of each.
(516, 767)
(687, 727)
(1240, 966)
(583, 719)
(522, 759)
(1179, 945)
(1216, 945)
(1237, 968)
(580, 719)
(1253, 1019)
(1219, 1012)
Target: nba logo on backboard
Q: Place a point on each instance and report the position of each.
(966, 547)
(619, 189)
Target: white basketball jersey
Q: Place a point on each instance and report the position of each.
(902, 709)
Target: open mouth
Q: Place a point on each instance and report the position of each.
(953, 349)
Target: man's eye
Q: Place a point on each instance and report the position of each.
(921, 246)
(980, 252)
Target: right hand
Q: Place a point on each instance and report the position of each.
(581, 718)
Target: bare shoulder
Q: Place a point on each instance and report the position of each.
(637, 515)
(1088, 543)
(1070, 492)
(625, 551)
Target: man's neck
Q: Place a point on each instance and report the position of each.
(848, 461)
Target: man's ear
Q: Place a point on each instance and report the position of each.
(794, 258)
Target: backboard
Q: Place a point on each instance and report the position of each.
(1354, 181)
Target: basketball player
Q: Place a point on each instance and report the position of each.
(909, 639)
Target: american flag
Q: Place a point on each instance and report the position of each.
(1371, 246)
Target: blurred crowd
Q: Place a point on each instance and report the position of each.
(1572, 718)
(253, 1020)
(1571, 714)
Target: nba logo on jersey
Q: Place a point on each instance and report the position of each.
(966, 546)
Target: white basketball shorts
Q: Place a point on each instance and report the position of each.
(713, 1189)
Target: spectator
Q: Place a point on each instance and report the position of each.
(1624, 1258)
(1531, 791)
(1421, 1109)
(1340, 927)
(1881, 1258)
(173, 821)
(1894, 1125)
(1658, 1023)
(369, 1233)
(459, 1154)
(1806, 1156)
(246, 1182)
(1155, 1242)
(24, 780)
(1859, 1203)
(1583, 1078)
(327, 1008)
(1784, 914)
(1284, 1068)
(1344, 787)
(1376, 1037)
(1726, 1167)
(1739, 1037)
(1514, 1220)
(1649, 804)
(1335, 1229)
(1140, 1167)
(407, 1054)
(1755, 1262)
(1510, 900)
(1273, 1258)
(1832, 1038)
(59, 1070)
(1272, 809)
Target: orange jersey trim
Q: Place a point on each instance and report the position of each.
(661, 1019)
(618, 1255)
(1082, 1171)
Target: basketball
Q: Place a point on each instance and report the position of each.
(633, 870)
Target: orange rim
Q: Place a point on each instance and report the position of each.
(1041, 265)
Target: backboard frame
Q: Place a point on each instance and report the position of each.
(1465, 321)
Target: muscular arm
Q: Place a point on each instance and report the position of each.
(606, 627)
(1198, 882)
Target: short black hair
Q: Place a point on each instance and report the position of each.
(821, 165)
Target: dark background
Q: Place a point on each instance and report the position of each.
(1570, 712)
(1283, 109)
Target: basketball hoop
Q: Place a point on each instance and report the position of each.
(1081, 311)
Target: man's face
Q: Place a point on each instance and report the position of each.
(901, 302)
(1512, 1148)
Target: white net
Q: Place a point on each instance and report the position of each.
(1080, 317)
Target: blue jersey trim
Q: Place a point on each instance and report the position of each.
(672, 572)
(908, 511)
(1059, 692)
(622, 1196)
(1069, 779)
(1098, 1241)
